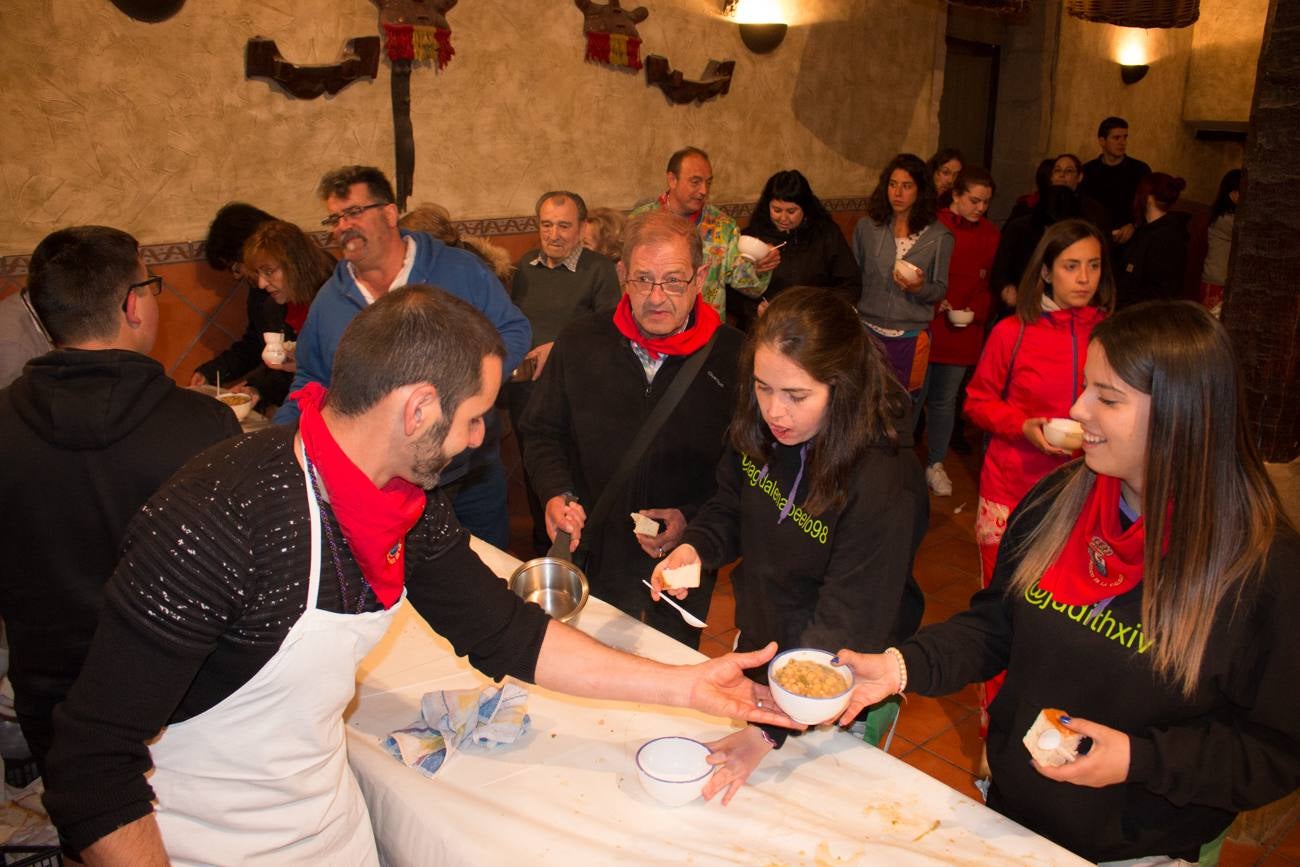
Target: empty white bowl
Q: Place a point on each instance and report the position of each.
(752, 248)
(1064, 433)
(672, 770)
(961, 318)
(802, 708)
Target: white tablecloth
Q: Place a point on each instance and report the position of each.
(567, 793)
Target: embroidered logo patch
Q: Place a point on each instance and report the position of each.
(393, 553)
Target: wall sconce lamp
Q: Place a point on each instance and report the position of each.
(762, 38)
(1132, 73)
(760, 26)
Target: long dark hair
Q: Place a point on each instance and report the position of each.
(787, 186)
(1199, 456)
(1059, 236)
(821, 332)
(923, 210)
(1223, 203)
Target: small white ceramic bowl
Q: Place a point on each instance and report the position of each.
(672, 770)
(961, 318)
(1064, 433)
(801, 708)
(752, 248)
(241, 404)
(906, 271)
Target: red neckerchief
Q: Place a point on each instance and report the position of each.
(374, 521)
(295, 315)
(694, 218)
(682, 343)
(1100, 560)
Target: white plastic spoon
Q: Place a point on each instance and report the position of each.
(686, 615)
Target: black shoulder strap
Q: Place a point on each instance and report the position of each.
(664, 408)
(1006, 386)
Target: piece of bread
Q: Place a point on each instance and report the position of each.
(1050, 743)
(682, 576)
(644, 526)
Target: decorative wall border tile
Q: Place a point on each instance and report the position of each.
(174, 253)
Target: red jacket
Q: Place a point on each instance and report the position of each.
(1046, 379)
(974, 245)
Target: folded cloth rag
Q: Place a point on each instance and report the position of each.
(448, 719)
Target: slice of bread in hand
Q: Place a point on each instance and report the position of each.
(682, 576)
(643, 526)
(1050, 743)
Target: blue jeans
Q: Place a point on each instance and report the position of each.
(939, 394)
(479, 499)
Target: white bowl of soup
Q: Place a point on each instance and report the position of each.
(752, 248)
(672, 770)
(807, 687)
(241, 404)
(1064, 433)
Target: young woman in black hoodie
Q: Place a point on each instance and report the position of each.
(1149, 591)
(821, 497)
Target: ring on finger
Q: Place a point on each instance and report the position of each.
(661, 551)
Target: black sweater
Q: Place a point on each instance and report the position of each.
(243, 358)
(1154, 262)
(585, 410)
(88, 437)
(1194, 763)
(213, 576)
(831, 580)
(815, 254)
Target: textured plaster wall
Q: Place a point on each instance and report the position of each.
(151, 127)
(1225, 53)
(1088, 88)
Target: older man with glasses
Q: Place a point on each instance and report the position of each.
(378, 257)
(598, 446)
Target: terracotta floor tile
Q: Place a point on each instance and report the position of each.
(722, 612)
(937, 611)
(713, 648)
(1240, 854)
(959, 744)
(1276, 860)
(924, 718)
(945, 772)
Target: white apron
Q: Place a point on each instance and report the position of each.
(263, 776)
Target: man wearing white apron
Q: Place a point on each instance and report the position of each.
(254, 582)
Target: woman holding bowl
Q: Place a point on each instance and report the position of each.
(903, 252)
(1148, 591)
(291, 268)
(958, 327)
(1031, 371)
(814, 251)
(820, 495)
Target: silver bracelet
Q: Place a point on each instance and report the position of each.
(902, 668)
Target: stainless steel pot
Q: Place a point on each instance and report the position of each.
(552, 582)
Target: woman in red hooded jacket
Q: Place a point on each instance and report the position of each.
(1031, 371)
(955, 340)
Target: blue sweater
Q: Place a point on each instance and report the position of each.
(457, 271)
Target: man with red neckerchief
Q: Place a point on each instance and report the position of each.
(254, 582)
(604, 378)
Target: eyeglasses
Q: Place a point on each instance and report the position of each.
(154, 283)
(351, 213)
(674, 286)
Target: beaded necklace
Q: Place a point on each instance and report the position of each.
(349, 606)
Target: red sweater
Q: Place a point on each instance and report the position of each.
(974, 245)
(1045, 380)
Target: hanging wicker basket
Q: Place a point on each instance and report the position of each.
(1137, 13)
(1008, 7)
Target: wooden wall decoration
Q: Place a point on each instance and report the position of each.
(715, 82)
(612, 37)
(415, 31)
(262, 59)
